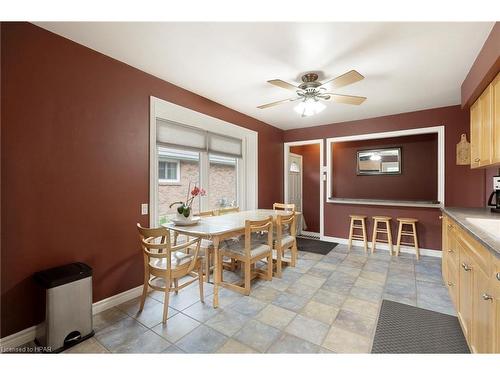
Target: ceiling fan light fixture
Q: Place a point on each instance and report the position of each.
(309, 107)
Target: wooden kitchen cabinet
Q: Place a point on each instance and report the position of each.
(495, 117)
(495, 290)
(485, 127)
(470, 273)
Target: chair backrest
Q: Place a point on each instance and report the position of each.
(284, 206)
(283, 221)
(227, 210)
(156, 243)
(258, 226)
(207, 213)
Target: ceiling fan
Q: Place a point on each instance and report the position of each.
(311, 92)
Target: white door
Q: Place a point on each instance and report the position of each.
(295, 185)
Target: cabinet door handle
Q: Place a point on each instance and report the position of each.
(450, 283)
(440, 218)
(487, 297)
(477, 160)
(498, 276)
(450, 251)
(466, 267)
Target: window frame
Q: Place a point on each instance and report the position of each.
(169, 181)
(247, 165)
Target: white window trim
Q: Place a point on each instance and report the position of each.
(247, 167)
(178, 166)
(398, 133)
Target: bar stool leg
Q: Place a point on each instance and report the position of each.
(415, 240)
(398, 245)
(374, 237)
(365, 240)
(351, 230)
(389, 236)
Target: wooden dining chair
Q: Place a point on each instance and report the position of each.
(257, 244)
(227, 210)
(284, 206)
(165, 264)
(285, 239)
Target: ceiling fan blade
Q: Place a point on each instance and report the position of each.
(344, 80)
(346, 99)
(263, 106)
(283, 84)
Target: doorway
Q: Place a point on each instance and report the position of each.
(304, 184)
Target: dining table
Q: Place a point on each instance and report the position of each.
(221, 227)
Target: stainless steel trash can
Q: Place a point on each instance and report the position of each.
(68, 311)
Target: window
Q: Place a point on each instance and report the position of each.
(177, 171)
(169, 171)
(222, 181)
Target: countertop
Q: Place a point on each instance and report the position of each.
(460, 215)
(384, 202)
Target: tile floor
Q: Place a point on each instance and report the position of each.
(326, 304)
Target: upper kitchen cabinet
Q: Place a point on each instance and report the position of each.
(485, 127)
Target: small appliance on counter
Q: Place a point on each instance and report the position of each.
(494, 201)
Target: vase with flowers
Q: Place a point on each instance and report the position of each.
(184, 209)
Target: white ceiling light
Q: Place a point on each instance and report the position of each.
(309, 107)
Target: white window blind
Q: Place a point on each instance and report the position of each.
(177, 135)
(224, 145)
(170, 133)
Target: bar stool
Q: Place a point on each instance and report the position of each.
(385, 220)
(354, 219)
(408, 233)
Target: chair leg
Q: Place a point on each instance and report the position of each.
(270, 267)
(278, 261)
(200, 281)
(351, 229)
(293, 261)
(398, 242)
(220, 268)
(389, 236)
(207, 265)
(417, 250)
(248, 275)
(176, 285)
(365, 240)
(374, 237)
(165, 303)
(144, 292)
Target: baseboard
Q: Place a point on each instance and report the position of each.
(28, 334)
(383, 246)
(116, 300)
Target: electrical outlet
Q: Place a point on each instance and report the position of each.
(144, 209)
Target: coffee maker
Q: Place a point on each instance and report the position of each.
(494, 200)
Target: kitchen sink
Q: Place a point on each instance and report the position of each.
(491, 226)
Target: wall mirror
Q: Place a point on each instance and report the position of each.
(385, 161)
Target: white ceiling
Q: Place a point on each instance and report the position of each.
(407, 66)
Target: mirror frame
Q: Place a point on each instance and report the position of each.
(376, 173)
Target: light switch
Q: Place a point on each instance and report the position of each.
(144, 209)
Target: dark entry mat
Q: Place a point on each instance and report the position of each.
(315, 246)
(407, 329)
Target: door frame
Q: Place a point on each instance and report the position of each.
(286, 151)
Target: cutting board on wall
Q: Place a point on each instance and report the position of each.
(463, 151)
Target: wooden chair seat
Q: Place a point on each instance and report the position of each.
(354, 225)
(165, 263)
(386, 222)
(254, 246)
(409, 222)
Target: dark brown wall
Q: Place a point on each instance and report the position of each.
(74, 146)
(463, 186)
(485, 68)
(310, 183)
(418, 178)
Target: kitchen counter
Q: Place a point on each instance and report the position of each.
(384, 202)
(481, 223)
